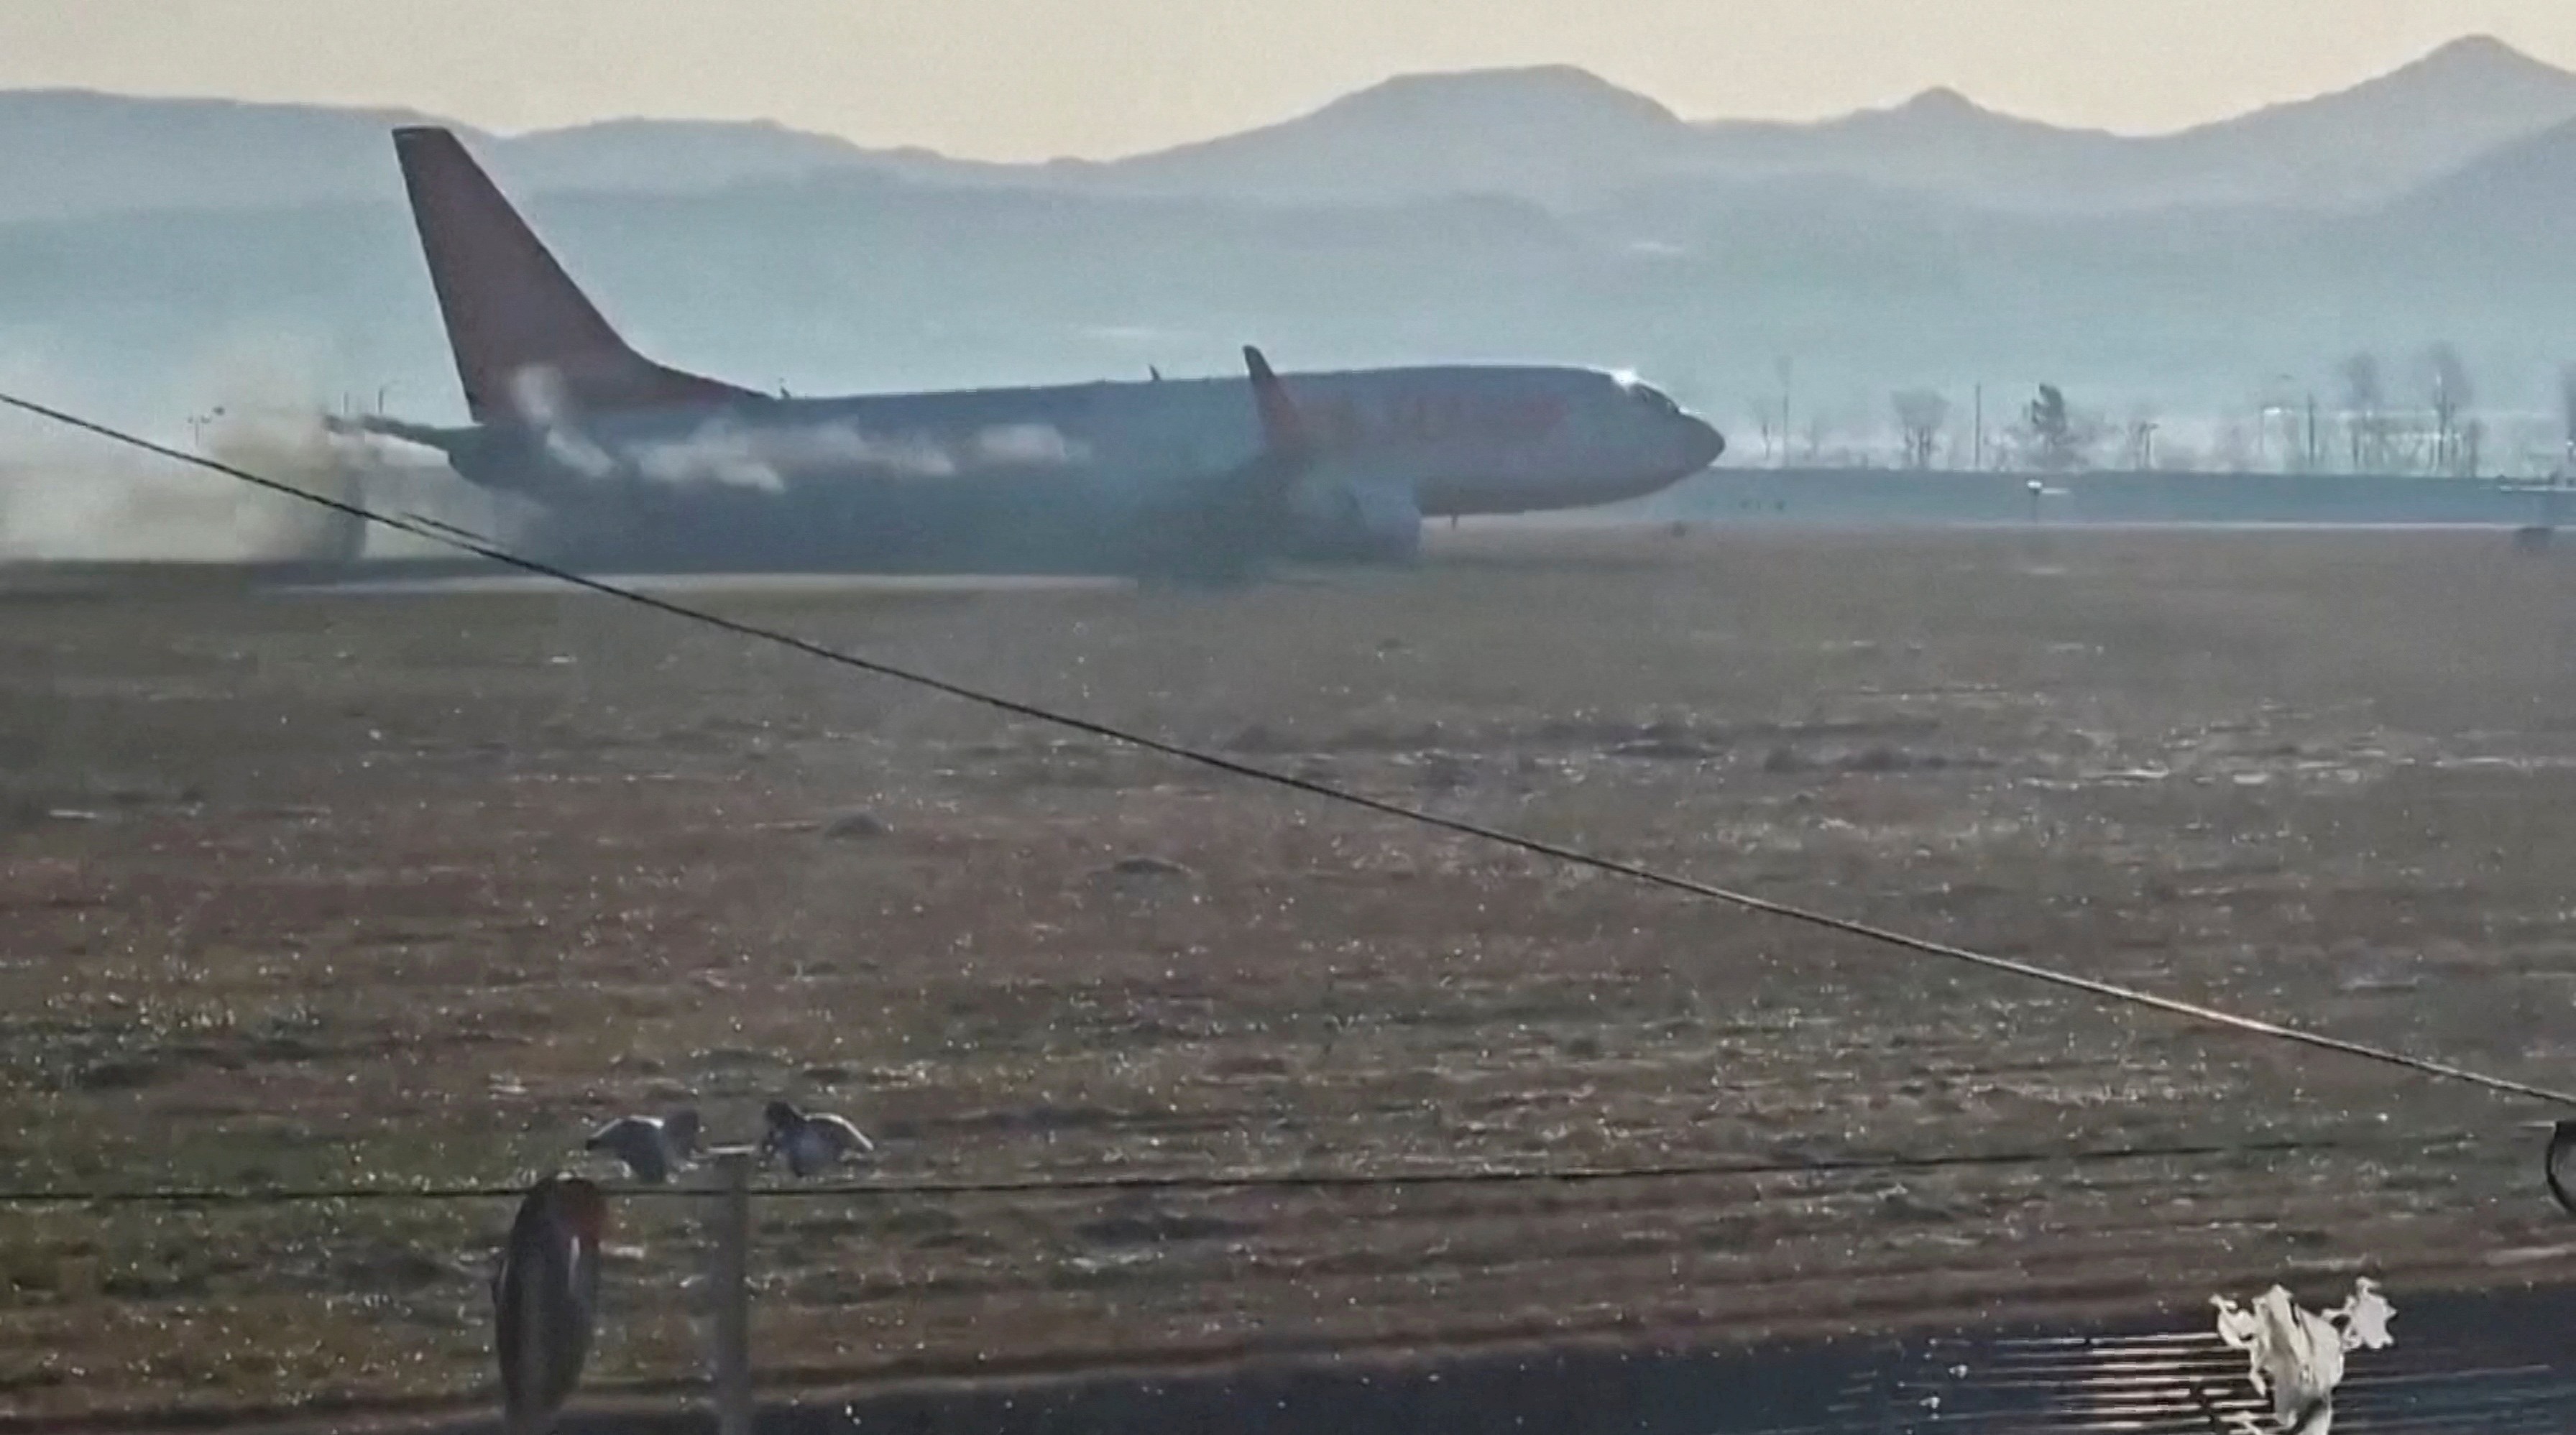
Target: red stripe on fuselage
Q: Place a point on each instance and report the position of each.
(1426, 417)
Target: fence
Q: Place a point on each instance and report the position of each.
(1565, 1241)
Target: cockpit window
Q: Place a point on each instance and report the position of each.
(1655, 400)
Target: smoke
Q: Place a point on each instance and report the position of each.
(544, 403)
(764, 456)
(56, 505)
(72, 497)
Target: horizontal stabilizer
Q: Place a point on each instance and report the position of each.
(446, 440)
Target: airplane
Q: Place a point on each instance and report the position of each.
(634, 465)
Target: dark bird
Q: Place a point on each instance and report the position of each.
(545, 1299)
(651, 1147)
(811, 1143)
(2560, 1164)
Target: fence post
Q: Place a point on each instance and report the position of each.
(732, 1291)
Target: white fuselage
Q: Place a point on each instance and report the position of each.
(1458, 439)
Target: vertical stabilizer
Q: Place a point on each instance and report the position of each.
(514, 317)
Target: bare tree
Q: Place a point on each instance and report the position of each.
(2053, 430)
(1820, 431)
(1921, 413)
(2365, 398)
(2142, 439)
(2447, 383)
(2232, 449)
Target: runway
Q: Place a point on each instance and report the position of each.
(723, 583)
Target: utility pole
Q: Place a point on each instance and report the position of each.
(1788, 383)
(1981, 428)
(731, 1287)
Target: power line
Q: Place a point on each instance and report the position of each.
(485, 548)
(1282, 1180)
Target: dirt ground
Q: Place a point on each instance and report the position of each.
(304, 888)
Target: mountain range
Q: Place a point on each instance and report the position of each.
(1553, 135)
(1495, 214)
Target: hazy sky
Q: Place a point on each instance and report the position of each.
(1031, 78)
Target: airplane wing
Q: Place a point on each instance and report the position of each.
(1283, 427)
(1225, 522)
(1288, 453)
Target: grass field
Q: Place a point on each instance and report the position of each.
(310, 888)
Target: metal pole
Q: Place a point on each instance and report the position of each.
(1788, 383)
(732, 1291)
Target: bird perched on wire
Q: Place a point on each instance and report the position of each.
(812, 1142)
(651, 1147)
(545, 1299)
(2560, 1164)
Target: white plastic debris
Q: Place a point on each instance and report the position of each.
(2295, 1356)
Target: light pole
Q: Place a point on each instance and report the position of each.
(1788, 376)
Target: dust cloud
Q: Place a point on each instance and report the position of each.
(74, 500)
(67, 496)
(71, 497)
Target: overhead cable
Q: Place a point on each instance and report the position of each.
(486, 548)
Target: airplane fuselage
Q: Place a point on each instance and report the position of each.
(630, 462)
(1057, 475)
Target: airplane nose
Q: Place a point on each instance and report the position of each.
(1701, 444)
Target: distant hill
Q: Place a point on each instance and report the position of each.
(1553, 135)
(846, 279)
(2377, 139)
(2528, 185)
(1939, 142)
(69, 154)
(2507, 215)
(688, 156)
(1565, 137)
(1529, 214)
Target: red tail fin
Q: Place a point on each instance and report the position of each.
(511, 310)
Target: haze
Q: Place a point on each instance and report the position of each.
(1019, 79)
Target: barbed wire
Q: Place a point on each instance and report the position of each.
(483, 547)
(1217, 1182)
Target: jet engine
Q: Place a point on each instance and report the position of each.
(1356, 522)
